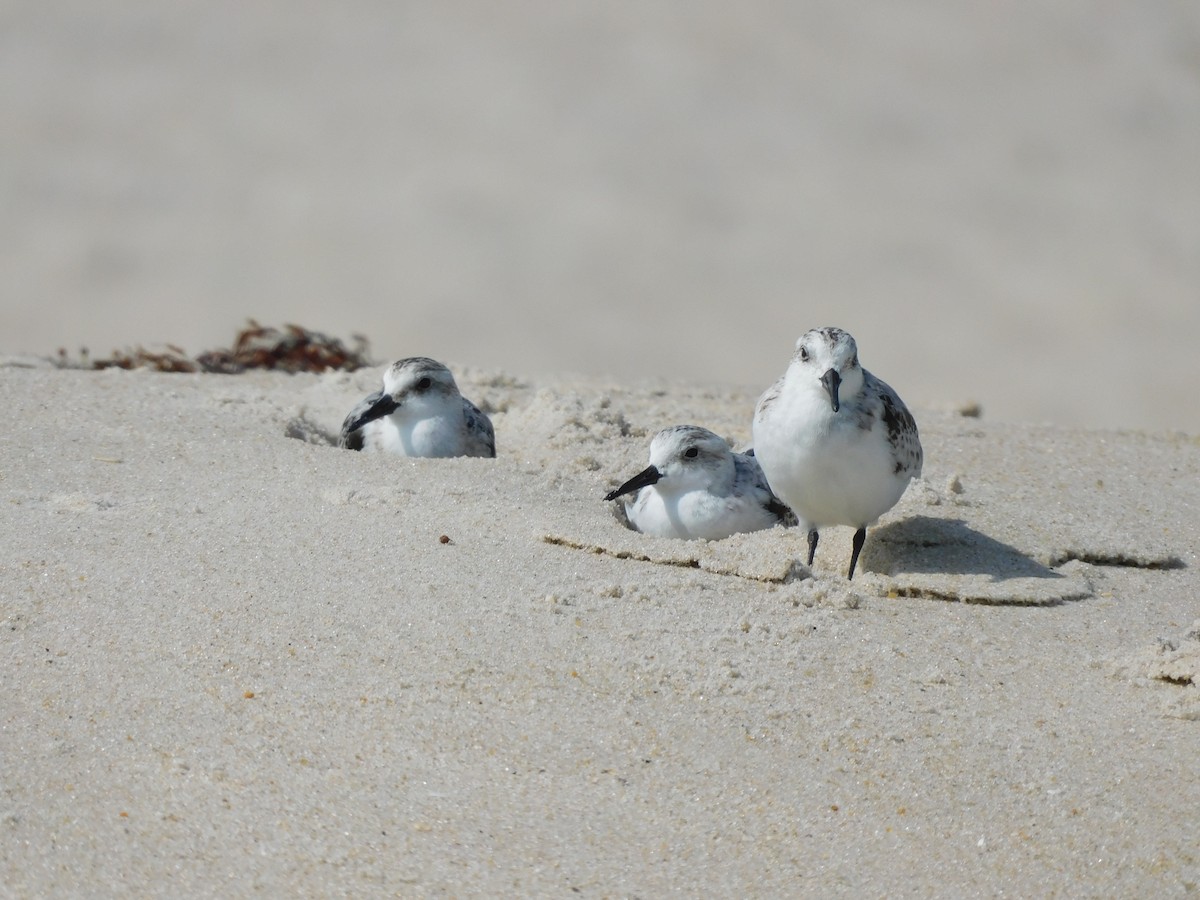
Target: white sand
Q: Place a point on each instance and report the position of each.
(238, 661)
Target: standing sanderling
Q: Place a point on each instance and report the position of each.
(419, 412)
(836, 443)
(696, 487)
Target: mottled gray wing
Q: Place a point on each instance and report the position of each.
(769, 396)
(781, 511)
(901, 426)
(750, 472)
(353, 440)
(479, 427)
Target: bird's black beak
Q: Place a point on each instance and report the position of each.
(648, 475)
(830, 381)
(385, 405)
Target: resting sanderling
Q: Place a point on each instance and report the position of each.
(419, 412)
(836, 443)
(696, 487)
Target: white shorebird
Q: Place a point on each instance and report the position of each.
(696, 487)
(836, 443)
(419, 412)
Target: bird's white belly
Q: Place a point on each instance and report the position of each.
(430, 437)
(830, 474)
(852, 485)
(694, 515)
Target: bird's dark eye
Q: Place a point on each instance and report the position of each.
(803, 354)
(424, 384)
(691, 452)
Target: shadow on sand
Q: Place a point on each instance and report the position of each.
(927, 545)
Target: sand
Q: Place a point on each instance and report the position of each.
(1002, 204)
(239, 660)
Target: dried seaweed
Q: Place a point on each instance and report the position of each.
(290, 349)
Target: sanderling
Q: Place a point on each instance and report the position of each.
(419, 412)
(836, 443)
(696, 487)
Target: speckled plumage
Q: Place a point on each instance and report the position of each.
(837, 444)
(697, 487)
(419, 412)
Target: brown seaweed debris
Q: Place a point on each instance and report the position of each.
(290, 349)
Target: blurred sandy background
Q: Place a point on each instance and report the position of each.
(1003, 204)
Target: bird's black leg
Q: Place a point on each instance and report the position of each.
(860, 538)
(812, 545)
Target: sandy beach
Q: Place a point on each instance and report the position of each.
(240, 660)
(1002, 205)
